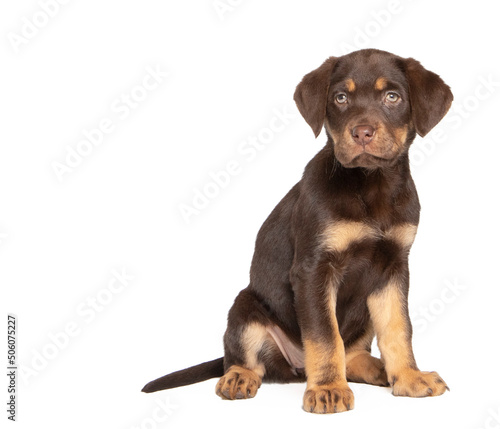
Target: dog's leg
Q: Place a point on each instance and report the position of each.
(255, 348)
(327, 389)
(244, 375)
(389, 313)
(361, 366)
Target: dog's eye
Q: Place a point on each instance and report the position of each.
(392, 97)
(341, 98)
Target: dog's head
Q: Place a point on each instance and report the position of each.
(372, 103)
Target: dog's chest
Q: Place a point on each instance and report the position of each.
(345, 236)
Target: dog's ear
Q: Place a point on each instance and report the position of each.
(430, 97)
(311, 95)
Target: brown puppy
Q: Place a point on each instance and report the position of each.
(330, 269)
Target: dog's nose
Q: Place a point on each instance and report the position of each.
(363, 134)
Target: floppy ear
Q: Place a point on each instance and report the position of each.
(430, 97)
(311, 94)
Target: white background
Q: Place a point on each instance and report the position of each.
(229, 71)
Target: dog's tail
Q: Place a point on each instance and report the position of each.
(184, 377)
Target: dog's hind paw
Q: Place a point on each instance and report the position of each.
(238, 383)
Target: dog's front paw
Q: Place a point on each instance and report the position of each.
(417, 384)
(325, 399)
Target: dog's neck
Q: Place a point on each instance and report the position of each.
(383, 194)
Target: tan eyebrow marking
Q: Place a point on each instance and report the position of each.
(351, 86)
(380, 83)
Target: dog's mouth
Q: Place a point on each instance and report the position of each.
(372, 156)
(368, 160)
(382, 151)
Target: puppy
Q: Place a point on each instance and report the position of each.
(330, 268)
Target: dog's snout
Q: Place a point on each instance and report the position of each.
(363, 134)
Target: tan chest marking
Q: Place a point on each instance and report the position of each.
(403, 234)
(338, 236)
(341, 234)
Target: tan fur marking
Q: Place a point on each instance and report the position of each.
(338, 358)
(401, 134)
(324, 362)
(238, 383)
(391, 328)
(253, 338)
(335, 396)
(418, 384)
(403, 234)
(380, 83)
(332, 398)
(364, 368)
(340, 234)
(319, 355)
(350, 85)
(361, 366)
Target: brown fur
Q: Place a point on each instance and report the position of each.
(330, 268)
